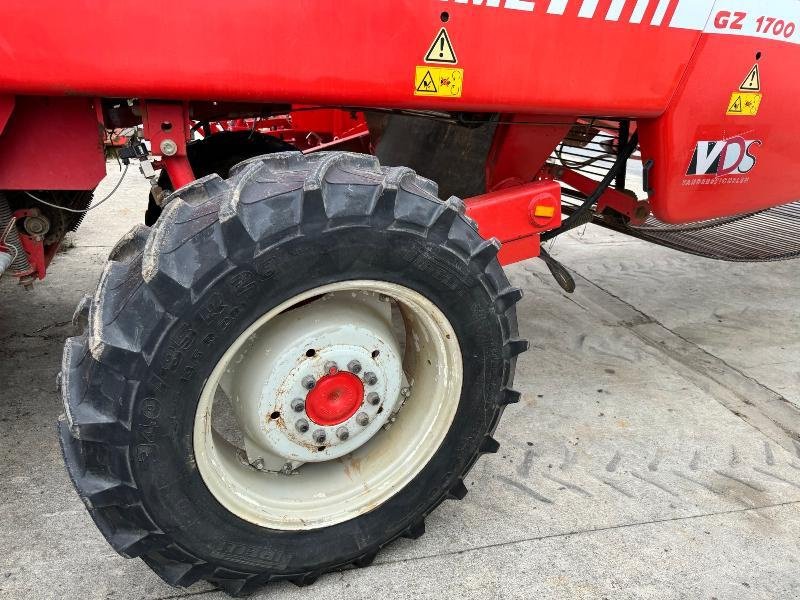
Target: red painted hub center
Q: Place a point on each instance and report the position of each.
(335, 398)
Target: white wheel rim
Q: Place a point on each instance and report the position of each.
(391, 451)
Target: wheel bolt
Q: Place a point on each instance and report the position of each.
(298, 404)
(342, 433)
(319, 436)
(259, 464)
(331, 367)
(309, 382)
(301, 425)
(354, 367)
(370, 378)
(362, 419)
(405, 392)
(373, 398)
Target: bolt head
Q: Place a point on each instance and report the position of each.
(298, 405)
(373, 398)
(319, 436)
(405, 392)
(301, 425)
(370, 378)
(309, 382)
(342, 433)
(354, 367)
(168, 147)
(362, 419)
(259, 464)
(331, 367)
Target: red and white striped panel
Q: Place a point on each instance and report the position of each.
(769, 19)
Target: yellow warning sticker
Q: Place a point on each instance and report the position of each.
(744, 104)
(441, 50)
(752, 83)
(443, 82)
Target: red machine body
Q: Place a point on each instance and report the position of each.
(709, 83)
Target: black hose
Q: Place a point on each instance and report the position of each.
(579, 215)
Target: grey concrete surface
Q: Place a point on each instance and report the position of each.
(652, 455)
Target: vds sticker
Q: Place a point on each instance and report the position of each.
(720, 158)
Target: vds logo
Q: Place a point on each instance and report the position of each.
(733, 156)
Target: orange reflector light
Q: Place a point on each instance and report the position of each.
(546, 212)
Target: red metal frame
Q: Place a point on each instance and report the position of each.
(166, 125)
(635, 210)
(308, 129)
(39, 257)
(538, 64)
(513, 215)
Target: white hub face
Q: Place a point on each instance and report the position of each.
(271, 395)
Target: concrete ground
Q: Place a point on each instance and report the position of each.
(651, 456)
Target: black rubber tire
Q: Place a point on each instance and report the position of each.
(160, 320)
(218, 153)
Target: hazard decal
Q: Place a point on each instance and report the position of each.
(752, 83)
(442, 82)
(744, 104)
(441, 51)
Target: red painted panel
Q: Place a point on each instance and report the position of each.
(6, 108)
(510, 215)
(52, 144)
(710, 164)
(347, 52)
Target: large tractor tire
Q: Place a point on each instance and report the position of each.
(291, 369)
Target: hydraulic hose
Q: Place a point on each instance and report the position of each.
(580, 214)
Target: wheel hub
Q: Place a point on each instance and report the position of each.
(322, 382)
(335, 398)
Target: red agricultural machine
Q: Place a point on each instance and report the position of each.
(311, 340)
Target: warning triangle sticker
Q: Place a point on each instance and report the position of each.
(736, 107)
(442, 50)
(427, 85)
(752, 83)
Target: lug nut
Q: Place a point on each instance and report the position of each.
(362, 419)
(319, 436)
(370, 378)
(342, 433)
(373, 398)
(331, 367)
(301, 425)
(354, 367)
(298, 405)
(309, 382)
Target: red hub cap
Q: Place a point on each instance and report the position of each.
(335, 398)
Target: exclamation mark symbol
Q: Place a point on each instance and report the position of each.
(441, 47)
